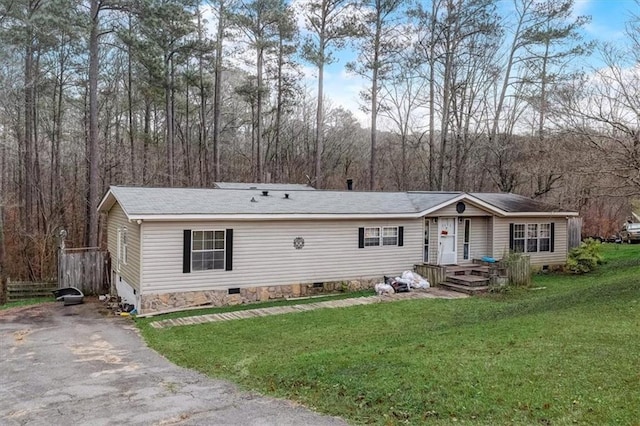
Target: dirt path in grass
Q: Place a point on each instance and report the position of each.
(431, 293)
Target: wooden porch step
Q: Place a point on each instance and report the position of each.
(464, 288)
(479, 271)
(467, 267)
(468, 280)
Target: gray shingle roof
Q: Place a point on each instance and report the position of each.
(513, 203)
(180, 201)
(137, 202)
(428, 200)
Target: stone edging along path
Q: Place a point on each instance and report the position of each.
(432, 293)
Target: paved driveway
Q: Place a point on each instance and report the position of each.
(73, 365)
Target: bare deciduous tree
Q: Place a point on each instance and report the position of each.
(330, 24)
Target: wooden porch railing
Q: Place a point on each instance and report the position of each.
(432, 273)
(519, 271)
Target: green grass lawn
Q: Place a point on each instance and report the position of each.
(26, 302)
(568, 353)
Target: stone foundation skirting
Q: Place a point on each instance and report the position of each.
(152, 303)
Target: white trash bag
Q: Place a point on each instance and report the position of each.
(414, 280)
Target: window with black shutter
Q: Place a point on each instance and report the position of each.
(205, 250)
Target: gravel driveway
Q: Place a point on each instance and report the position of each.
(74, 365)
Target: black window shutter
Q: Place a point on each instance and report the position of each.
(400, 236)
(228, 255)
(511, 237)
(186, 252)
(553, 236)
(360, 237)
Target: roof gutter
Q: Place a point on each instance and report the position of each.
(277, 217)
(543, 214)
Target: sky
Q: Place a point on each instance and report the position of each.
(608, 19)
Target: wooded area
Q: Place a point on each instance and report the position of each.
(465, 95)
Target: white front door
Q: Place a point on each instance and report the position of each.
(447, 241)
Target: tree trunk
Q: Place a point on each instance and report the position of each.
(202, 136)
(186, 140)
(320, 125)
(374, 105)
(28, 136)
(217, 94)
(432, 97)
(444, 124)
(3, 170)
(55, 187)
(258, 117)
(132, 150)
(168, 117)
(59, 191)
(3, 278)
(91, 237)
(145, 143)
(276, 168)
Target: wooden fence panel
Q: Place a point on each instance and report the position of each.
(86, 270)
(18, 290)
(574, 232)
(519, 271)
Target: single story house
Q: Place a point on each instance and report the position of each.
(174, 248)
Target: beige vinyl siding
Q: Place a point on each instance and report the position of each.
(558, 256)
(131, 271)
(450, 211)
(478, 245)
(263, 254)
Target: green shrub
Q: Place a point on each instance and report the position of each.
(586, 257)
(511, 257)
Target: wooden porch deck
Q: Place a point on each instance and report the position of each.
(471, 278)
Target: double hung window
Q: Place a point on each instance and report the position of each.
(371, 237)
(390, 236)
(381, 236)
(531, 237)
(122, 247)
(207, 250)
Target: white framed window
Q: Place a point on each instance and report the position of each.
(466, 248)
(518, 238)
(544, 237)
(426, 239)
(121, 247)
(381, 236)
(207, 250)
(531, 237)
(371, 237)
(390, 236)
